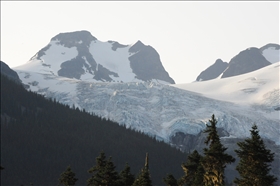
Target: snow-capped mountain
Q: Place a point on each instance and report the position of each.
(176, 114)
(69, 70)
(81, 56)
(246, 61)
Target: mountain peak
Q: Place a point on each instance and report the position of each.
(136, 47)
(70, 39)
(213, 71)
(247, 60)
(81, 56)
(218, 61)
(7, 71)
(271, 52)
(270, 45)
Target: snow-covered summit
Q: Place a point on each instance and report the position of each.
(81, 56)
(167, 112)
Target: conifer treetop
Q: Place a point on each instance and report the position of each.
(254, 165)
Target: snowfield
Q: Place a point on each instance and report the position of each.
(162, 110)
(260, 87)
(115, 61)
(272, 54)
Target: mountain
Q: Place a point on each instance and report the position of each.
(246, 61)
(40, 137)
(213, 71)
(81, 56)
(11, 74)
(177, 114)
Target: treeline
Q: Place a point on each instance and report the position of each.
(207, 170)
(41, 137)
(104, 173)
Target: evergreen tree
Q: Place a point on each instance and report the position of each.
(67, 178)
(193, 170)
(103, 172)
(126, 178)
(111, 175)
(97, 176)
(253, 166)
(170, 180)
(144, 177)
(215, 159)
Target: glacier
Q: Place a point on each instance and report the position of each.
(161, 110)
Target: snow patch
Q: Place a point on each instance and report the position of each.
(115, 61)
(50, 63)
(271, 54)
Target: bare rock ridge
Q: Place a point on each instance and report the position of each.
(11, 74)
(246, 61)
(213, 71)
(144, 58)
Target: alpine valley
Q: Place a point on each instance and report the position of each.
(129, 85)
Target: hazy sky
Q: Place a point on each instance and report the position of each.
(189, 36)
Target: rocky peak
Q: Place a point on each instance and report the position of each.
(136, 47)
(246, 61)
(70, 39)
(146, 63)
(213, 71)
(270, 45)
(11, 74)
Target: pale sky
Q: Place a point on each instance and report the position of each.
(189, 36)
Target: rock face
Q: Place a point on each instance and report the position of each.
(246, 61)
(144, 58)
(81, 56)
(213, 71)
(7, 71)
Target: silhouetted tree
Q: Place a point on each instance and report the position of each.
(169, 180)
(255, 159)
(193, 170)
(103, 172)
(144, 177)
(215, 159)
(126, 178)
(67, 178)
